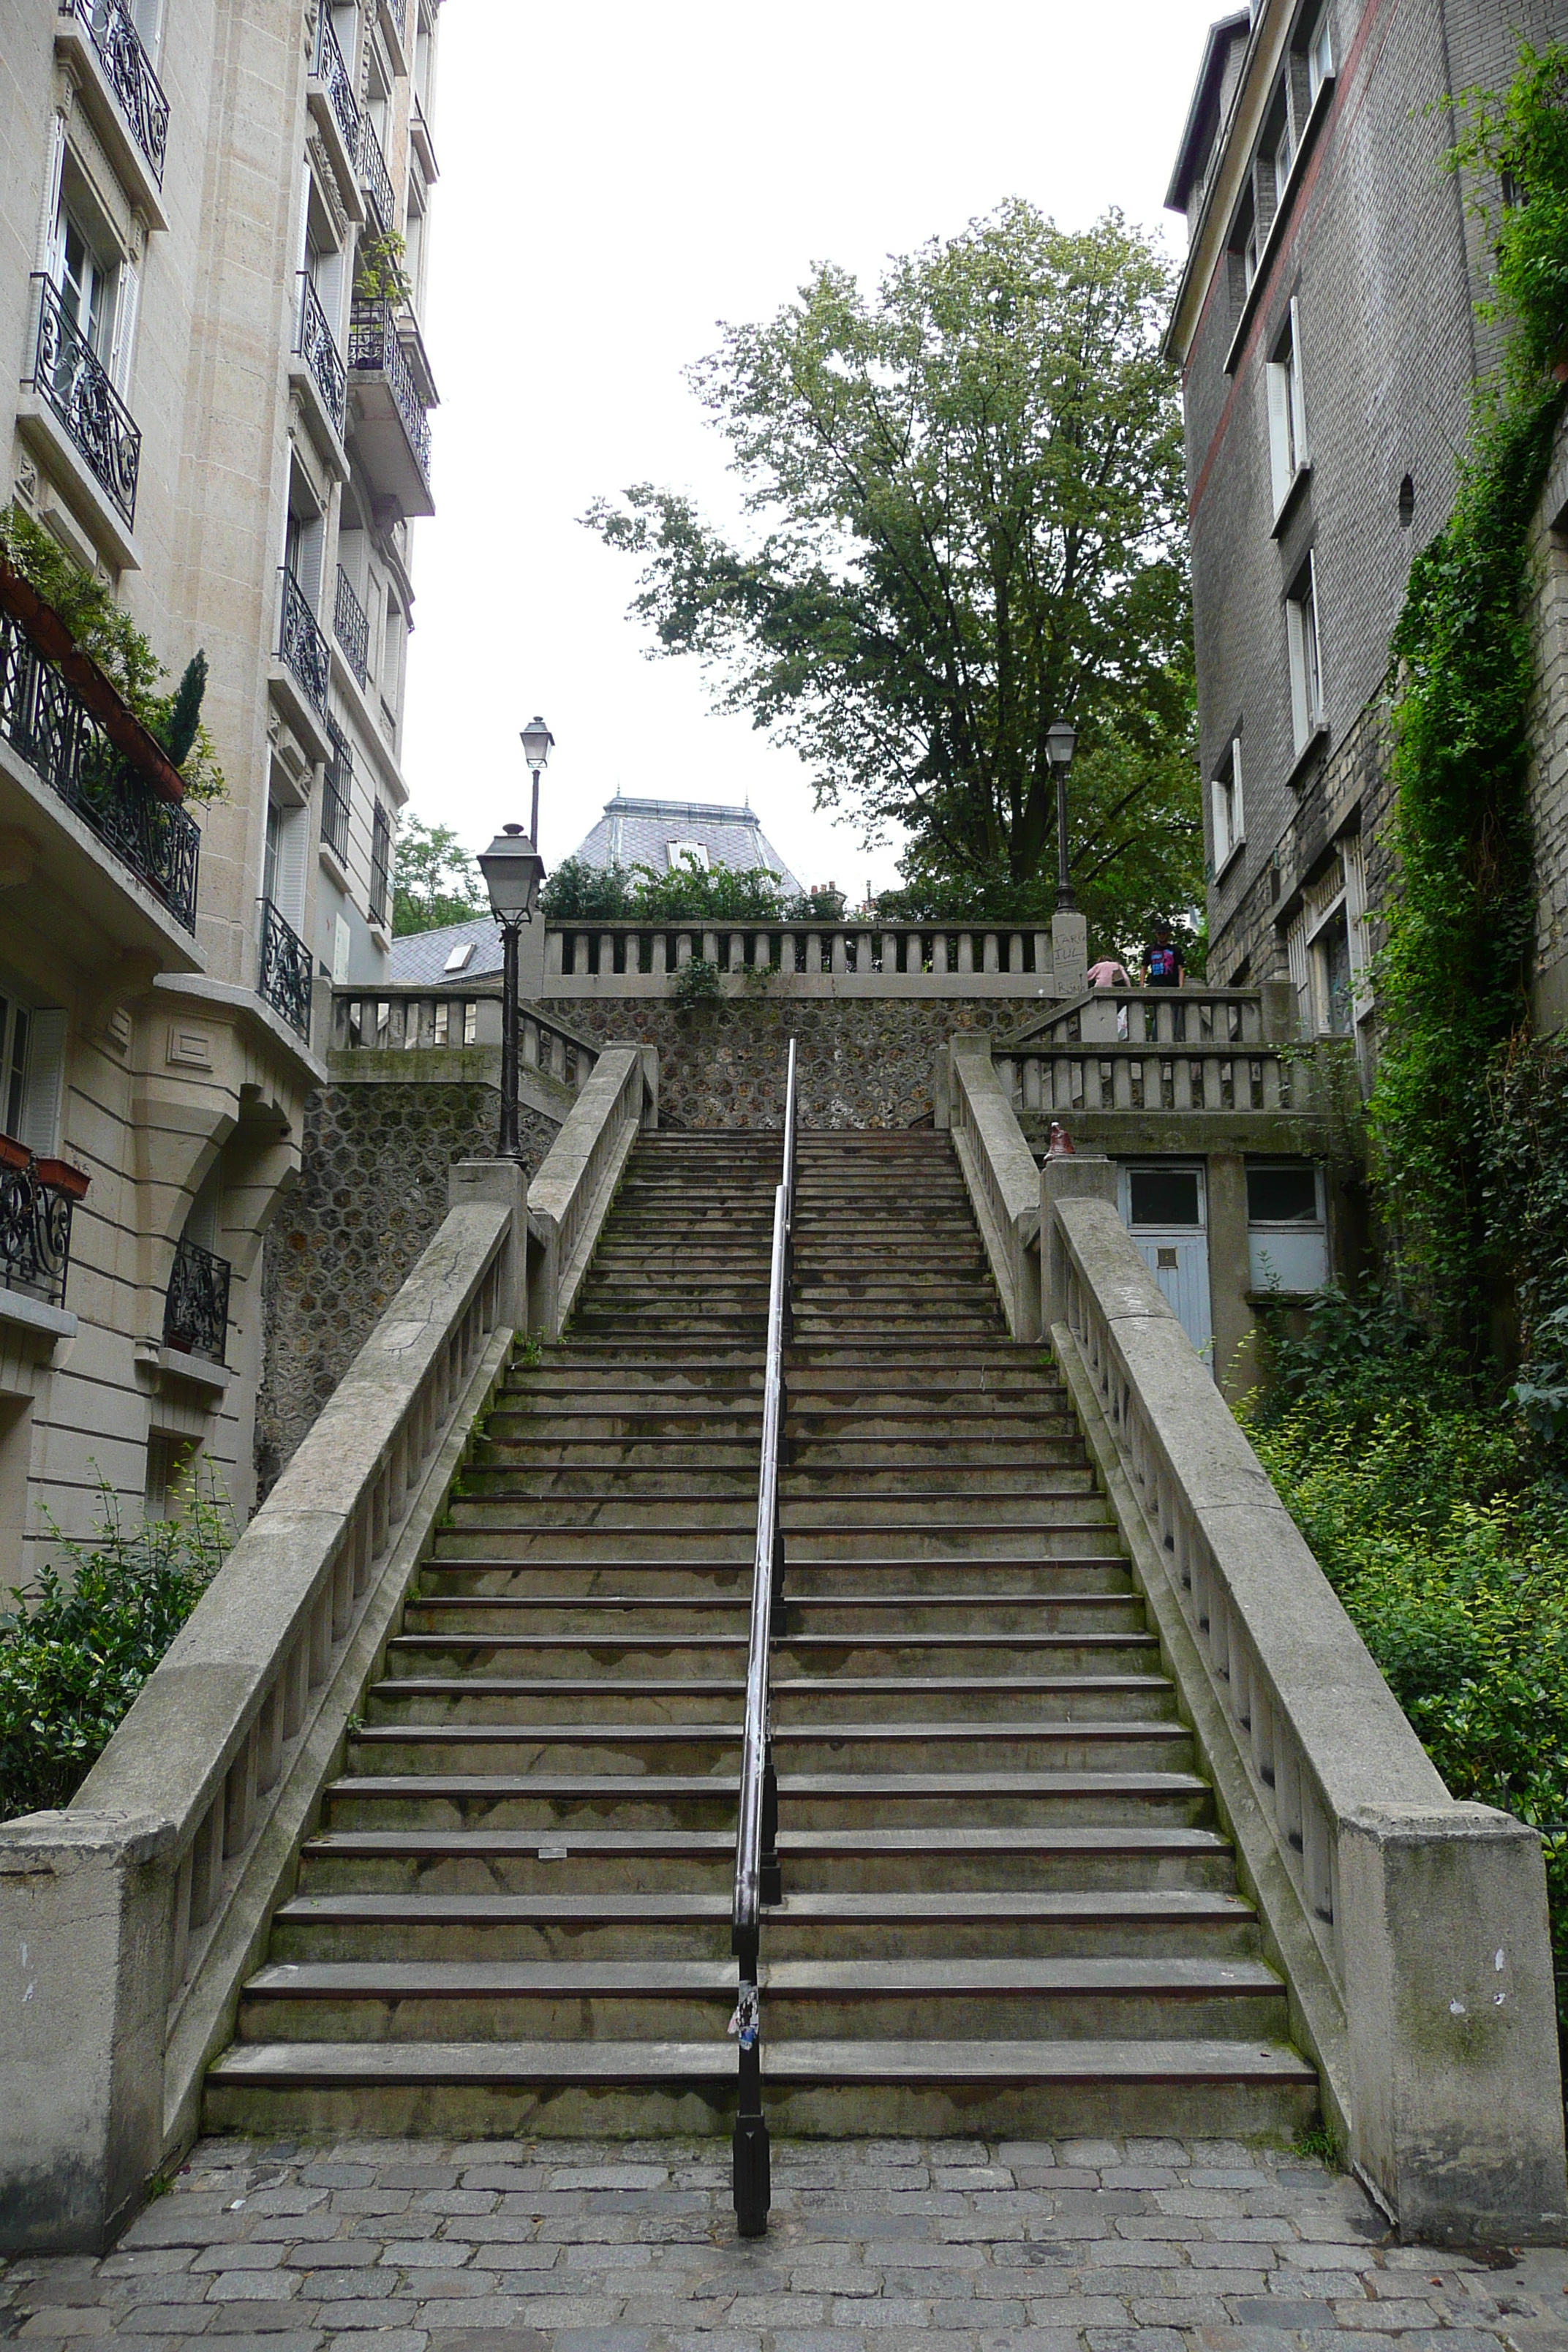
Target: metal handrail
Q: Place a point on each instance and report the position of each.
(758, 1878)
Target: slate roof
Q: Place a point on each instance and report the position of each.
(422, 956)
(640, 833)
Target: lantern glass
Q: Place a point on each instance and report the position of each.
(514, 871)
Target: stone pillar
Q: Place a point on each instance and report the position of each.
(1069, 954)
(1278, 1010)
(1446, 1963)
(1080, 1177)
(505, 1182)
(1230, 1273)
(86, 1942)
(530, 960)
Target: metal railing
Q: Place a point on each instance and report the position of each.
(285, 981)
(332, 69)
(351, 627)
(374, 349)
(44, 717)
(757, 1874)
(131, 74)
(301, 644)
(68, 373)
(196, 1306)
(35, 1223)
(315, 343)
(375, 177)
(337, 789)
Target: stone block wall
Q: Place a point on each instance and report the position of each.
(860, 1064)
(371, 1191)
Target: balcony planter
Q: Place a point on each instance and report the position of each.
(44, 627)
(63, 1178)
(12, 1153)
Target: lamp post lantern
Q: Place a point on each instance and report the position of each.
(514, 870)
(1061, 740)
(538, 743)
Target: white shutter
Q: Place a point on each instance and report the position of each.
(1301, 709)
(1221, 823)
(1297, 390)
(1278, 375)
(51, 220)
(289, 888)
(40, 1121)
(128, 296)
(1295, 958)
(342, 948)
(1237, 813)
(1355, 858)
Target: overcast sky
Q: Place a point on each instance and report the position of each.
(615, 181)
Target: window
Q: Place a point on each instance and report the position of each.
(1229, 825)
(1306, 666)
(1332, 975)
(1319, 56)
(380, 865)
(87, 287)
(32, 1065)
(686, 853)
(1286, 1230)
(1164, 1196)
(1284, 155)
(16, 1024)
(1286, 411)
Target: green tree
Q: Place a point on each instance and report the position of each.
(437, 880)
(970, 508)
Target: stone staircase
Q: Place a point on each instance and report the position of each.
(1007, 1908)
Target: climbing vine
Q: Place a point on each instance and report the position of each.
(1452, 976)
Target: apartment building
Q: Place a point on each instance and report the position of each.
(220, 408)
(1326, 329)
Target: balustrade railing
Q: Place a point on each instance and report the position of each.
(1157, 1016)
(374, 349)
(315, 345)
(351, 627)
(38, 1201)
(43, 717)
(1058, 1080)
(758, 1876)
(408, 1022)
(68, 373)
(375, 177)
(196, 1306)
(1003, 1181)
(569, 1198)
(130, 71)
(300, 645)
(285, 979)
(800, 959)
(332, 72)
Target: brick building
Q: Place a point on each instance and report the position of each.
(1326, 328)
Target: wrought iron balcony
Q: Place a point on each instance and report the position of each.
(285, 981)
(314, 344)
(375, 177)
(196, 1306)
(374, 350)
(37, 1200)
(332, 73)
(130, 72)
(337, 790)
(50, 725)
(351, 627)
(301, 644)
(69, 375)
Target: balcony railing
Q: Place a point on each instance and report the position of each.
(49, 723)
(131, 74)
(301, 644)
(332, 72)
(196, 1306)
(337, 787)
(71, 376)
(285, 981)
(35, 1211)
(374, 348)
(374, 176)
(314, 344)
(351, 627)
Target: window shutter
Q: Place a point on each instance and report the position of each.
(52, 222)
(289, 891)
(1221, 822)
(1278, 374)
(40, 1120)
(1300, 720)
(1355, 858)
(1295, 958)
(128, 296)
(1296, 388)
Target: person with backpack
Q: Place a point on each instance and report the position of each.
(1163, 960)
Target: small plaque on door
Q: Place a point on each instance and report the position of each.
(1165, 1260)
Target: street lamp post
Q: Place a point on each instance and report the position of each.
(514, 870)
(1061, 740)
(538, 743)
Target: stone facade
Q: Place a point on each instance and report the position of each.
(372, 1193)
(865, 1063)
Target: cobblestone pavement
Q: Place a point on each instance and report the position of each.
(546, 2246)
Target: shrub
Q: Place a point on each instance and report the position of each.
(74, 1653)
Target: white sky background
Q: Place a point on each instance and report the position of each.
(615, 180)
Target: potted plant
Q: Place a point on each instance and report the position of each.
(12, 1153)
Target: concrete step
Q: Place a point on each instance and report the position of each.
(400, 1743)
(886, 1618)
(700, 1652)
(460, 1570)
(471, 1696)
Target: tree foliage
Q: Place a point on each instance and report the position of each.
(577, 893)
(970, 508)
(437, 881)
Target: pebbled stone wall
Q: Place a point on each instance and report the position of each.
(372, 1191)
(861, 1065)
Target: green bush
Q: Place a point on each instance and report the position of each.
(77, 1648)
(579, 893)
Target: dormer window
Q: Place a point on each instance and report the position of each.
(686, 853)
